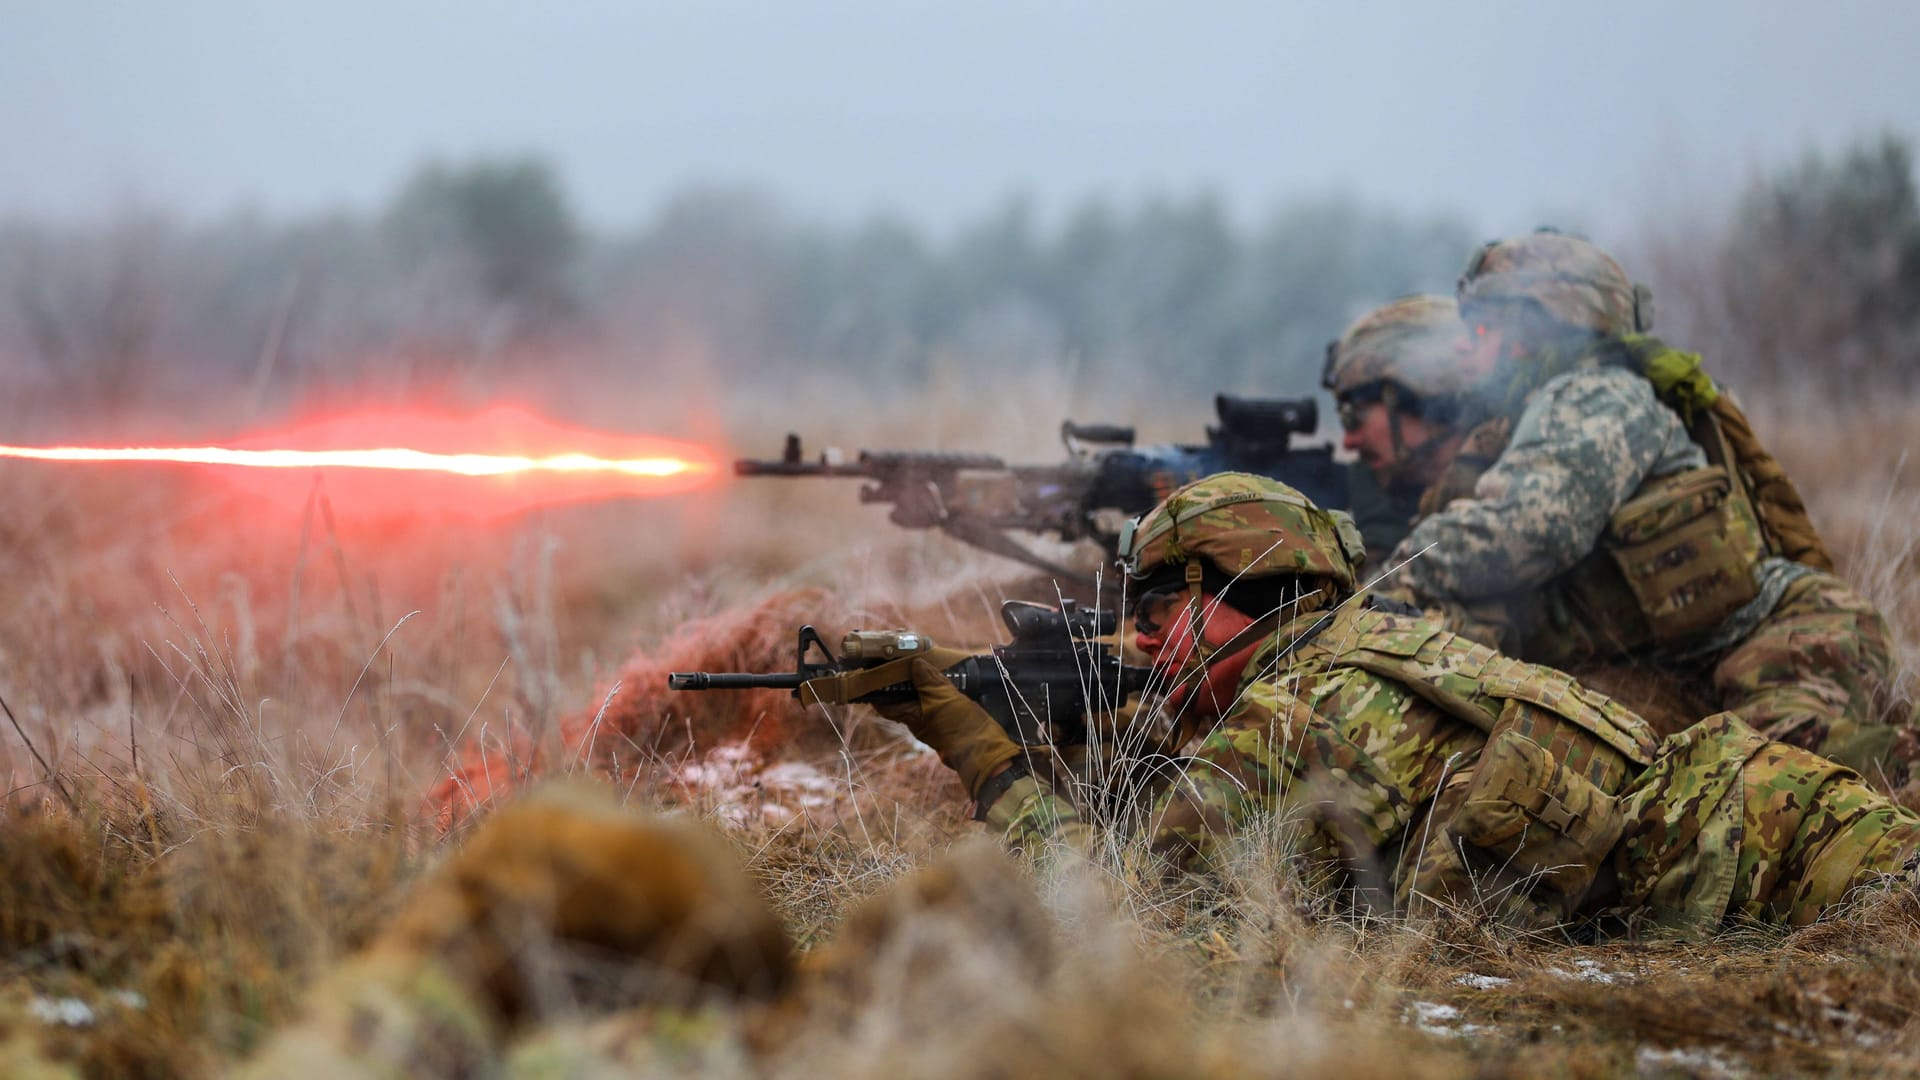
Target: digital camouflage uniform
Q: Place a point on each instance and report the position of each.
(1419, 763)
(1523, 541)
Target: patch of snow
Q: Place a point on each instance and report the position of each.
(744, 790)
(67, 1011)
(1654, 1061)
(807, 785)
(1482, 982)
(1591, 971)
(1435, 1018)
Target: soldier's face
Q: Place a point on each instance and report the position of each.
(1166, 626)
(1369, 434)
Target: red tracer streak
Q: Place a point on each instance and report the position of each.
(386, 461)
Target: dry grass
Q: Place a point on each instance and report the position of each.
(246, 718)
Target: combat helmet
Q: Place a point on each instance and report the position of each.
(1568, 278)
(1405, 351)
(1247, 527)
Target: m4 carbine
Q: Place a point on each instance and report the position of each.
(976, 498)
(1040, 687)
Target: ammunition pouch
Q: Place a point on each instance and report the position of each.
(1674, 562)
(1538, 821)
(1529, 825)
(1688, 549)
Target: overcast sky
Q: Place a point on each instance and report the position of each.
(1509, 113)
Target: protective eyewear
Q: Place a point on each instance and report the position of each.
(1352, 402)
(1153, 609)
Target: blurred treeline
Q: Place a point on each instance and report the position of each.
(1811, 284)
(468, 267)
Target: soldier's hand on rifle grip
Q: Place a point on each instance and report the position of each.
(958, 729)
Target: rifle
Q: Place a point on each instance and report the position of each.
(1039, 687)
(976, 498)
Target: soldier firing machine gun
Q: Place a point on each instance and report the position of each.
(1039, 687)
(976, 498)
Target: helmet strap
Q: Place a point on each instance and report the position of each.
(1195, 620)
(1390, 400)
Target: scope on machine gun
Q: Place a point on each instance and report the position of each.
(1256, 426)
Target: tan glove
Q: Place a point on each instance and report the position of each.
(958, 729)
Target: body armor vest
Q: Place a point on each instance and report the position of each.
(1533, 820)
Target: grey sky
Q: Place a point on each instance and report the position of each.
(1507, 112)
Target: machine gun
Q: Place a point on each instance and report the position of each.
(977, 498)
(1039, 687)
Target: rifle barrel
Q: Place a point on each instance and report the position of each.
(728, 680)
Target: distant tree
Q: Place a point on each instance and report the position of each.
(503, 223)
(92, 302)
(1822, 265)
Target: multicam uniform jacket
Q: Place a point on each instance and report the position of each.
(1418, 764)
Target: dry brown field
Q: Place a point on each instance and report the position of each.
(229, 717)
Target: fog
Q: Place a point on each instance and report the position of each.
(1503, 113)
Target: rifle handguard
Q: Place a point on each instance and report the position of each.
(851, 686)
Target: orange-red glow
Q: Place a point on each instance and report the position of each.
(392, 457)
(388, 462)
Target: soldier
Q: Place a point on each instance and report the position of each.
(1604, 500)
(1421, 764)
(1396, 378)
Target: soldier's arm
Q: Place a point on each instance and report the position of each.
(1578, 452)
(1035, 820)
(1249, 764)
(1237, 770)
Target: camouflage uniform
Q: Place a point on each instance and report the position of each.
(1421, 764)
(1581, 435)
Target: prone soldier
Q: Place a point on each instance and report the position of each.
(1421, 764)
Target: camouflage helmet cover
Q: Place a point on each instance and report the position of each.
(1411, 341)
(1569, 278)
(1247, 526)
